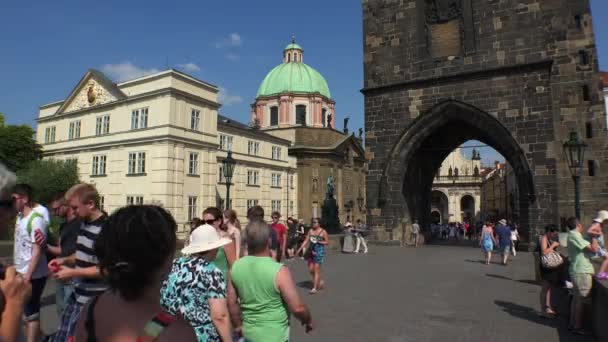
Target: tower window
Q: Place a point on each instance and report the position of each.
(585, 90)
(589, 130)
(583, 57)
(578, 20)
(274, 116)
(301, 115)
(324, 117)
(591, 167)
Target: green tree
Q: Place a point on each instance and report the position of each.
(49, 176)
(18, 146)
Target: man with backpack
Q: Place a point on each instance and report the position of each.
(30, 259)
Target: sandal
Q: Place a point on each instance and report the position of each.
(313, 291)
(550, 311)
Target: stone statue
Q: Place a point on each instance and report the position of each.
(330, 187)
(346, 124)
(360, 133)
(329, 117)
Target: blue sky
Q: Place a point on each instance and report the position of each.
(47, 47)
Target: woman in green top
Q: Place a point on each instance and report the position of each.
(226, 255)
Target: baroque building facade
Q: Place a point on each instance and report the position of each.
(159, 139)
(456, 192)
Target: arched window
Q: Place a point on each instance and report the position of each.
(301, 115)
(456, 172)
(274, 116)
(324, 117)
(289, 57)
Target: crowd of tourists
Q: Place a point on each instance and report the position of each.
(456, 231)
(118, 277)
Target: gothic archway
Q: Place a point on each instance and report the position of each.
(467, 208)
(409, 169)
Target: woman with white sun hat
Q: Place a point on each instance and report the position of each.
(196, 289)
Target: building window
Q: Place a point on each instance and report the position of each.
(252, 177)
(589, 130)
(74, 132)
(139, 118)
(291, 185)
(301, 115)
(578, 21)
(585, 90)
(102, 125)
(274, 116)
(251, 203)
(195, 119)
(324, 117)
(220, 203)
(99, 165)
(253, 147)
(275, 205)
(583, 57)
(276, 180)
(102, 203)
(276, 153)
(192, 207)
(135, 200)
(193, 164)
(591, 167)
(49, 135)
(225, 142)
(137, 163)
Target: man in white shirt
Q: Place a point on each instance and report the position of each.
(30, 259)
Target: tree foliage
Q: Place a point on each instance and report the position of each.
(17, 146)
(49, 176)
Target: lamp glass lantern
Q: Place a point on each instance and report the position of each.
(574, 149)
(228, 163)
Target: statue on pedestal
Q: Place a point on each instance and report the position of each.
(329, 210)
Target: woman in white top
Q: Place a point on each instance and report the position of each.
(233, 229)
(514, 239)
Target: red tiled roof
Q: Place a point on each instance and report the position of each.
(604, 76)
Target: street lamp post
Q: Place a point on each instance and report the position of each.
(574, 149)
(228, 165)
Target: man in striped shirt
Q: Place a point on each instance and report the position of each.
(83, 199)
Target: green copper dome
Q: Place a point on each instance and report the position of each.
(293, 77)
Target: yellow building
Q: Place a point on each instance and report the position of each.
(159, 139)
(456, 194)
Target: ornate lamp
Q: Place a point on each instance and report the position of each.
(574, 149)
(228, 165)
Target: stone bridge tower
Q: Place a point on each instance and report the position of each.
(518, 75)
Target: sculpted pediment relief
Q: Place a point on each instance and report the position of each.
(91, 94)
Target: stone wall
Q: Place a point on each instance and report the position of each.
(526, 76)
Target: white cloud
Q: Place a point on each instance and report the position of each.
(126, 71)
(189, 67)
(232, 57)
(227, 99)
(233, 39)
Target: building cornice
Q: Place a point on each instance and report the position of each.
(254, 163)
(257, 134)
(457, 77)
(158, 92)
(78, 146)
(293, 94)
(174, 72)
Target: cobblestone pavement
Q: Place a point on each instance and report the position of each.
(433, 293)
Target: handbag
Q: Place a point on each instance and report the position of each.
(551, 260)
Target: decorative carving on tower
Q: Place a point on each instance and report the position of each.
(440, 11)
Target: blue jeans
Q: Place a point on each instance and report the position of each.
(63, 293)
